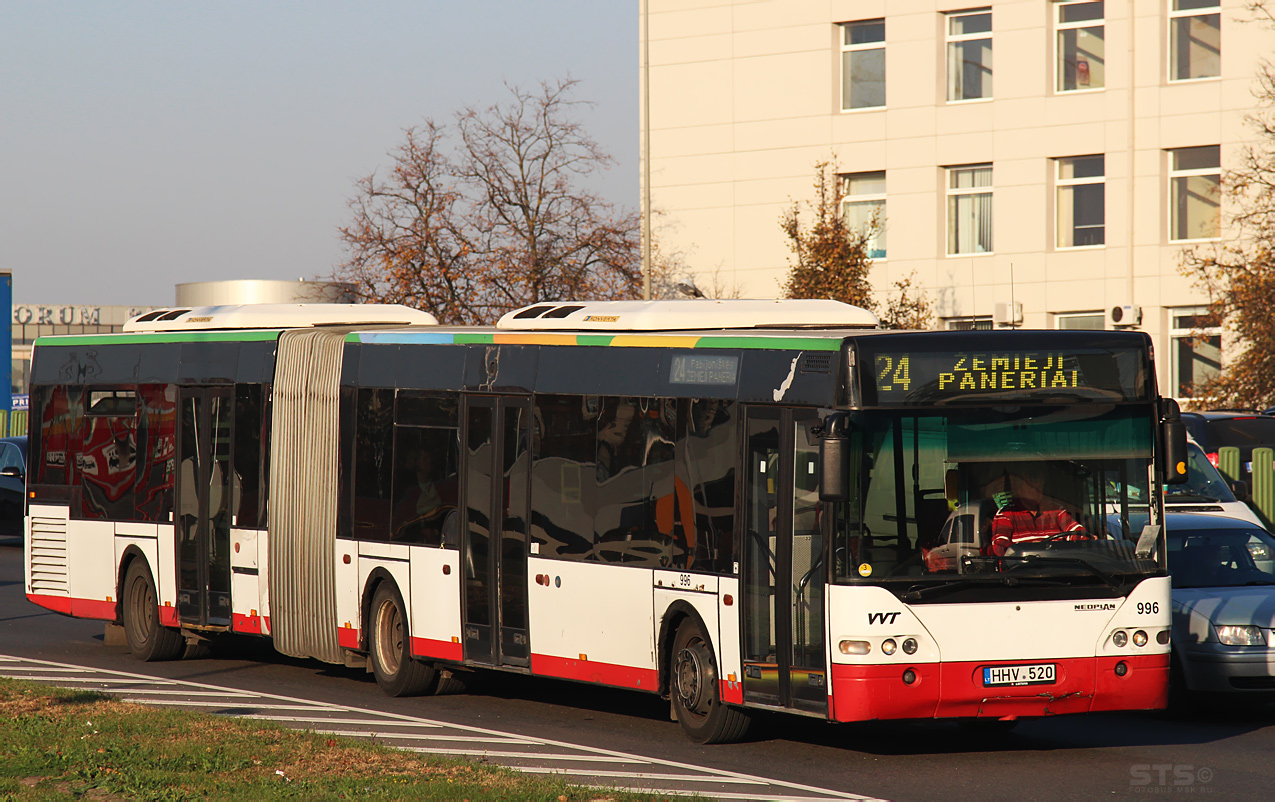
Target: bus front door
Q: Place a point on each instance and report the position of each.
(783, 565)
(497, 522)
(203, 506)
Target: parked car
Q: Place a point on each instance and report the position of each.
(13, 485)
(1243, 429)
(1223, 574)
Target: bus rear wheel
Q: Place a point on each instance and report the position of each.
(696, 694)
(396, 671)
(147, 640)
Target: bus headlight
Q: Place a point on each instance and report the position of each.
(1240, 636)
(1120, 638)
(909, 646)
(854, 647)
(1139, 638)
(888, 646)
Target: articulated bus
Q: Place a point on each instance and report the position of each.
(737, 505)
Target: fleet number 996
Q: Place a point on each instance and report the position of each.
(1148, 608)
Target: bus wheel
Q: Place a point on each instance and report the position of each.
(147, 640)
(396, 672)
(694, 687)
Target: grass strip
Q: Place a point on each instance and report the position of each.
(68, 744)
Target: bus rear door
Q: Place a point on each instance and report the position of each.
(203, 506)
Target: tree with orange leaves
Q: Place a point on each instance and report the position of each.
(1239, 273)
(491, 214)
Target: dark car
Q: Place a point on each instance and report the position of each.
(1244, 430)
(13, 473)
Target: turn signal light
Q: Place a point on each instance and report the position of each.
(854, 647)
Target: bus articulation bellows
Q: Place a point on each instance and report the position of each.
(737, 505)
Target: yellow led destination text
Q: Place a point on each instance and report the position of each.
(974, 372)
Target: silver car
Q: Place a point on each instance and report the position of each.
(1223, 572)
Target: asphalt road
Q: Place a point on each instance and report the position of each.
(1226, 754)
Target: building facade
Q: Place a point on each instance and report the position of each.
(1030, 162)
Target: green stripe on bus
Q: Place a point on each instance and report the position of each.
(158, 337)
(594, 339)
(463, 338)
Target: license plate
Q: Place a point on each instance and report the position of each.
(1037, 674)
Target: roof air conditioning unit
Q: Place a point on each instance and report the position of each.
(1124, 316)
(1008, 314)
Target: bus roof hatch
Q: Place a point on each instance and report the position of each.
(687, 315)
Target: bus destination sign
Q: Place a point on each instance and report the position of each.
(921, 377)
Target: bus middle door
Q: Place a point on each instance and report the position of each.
(783, 566)
(496, 526)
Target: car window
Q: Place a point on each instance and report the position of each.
(1203, 482)
(1241, 432)
(10, 456)
(1208, 558)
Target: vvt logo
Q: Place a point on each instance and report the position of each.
(882, 618)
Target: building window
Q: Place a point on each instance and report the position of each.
(1081, 201)
(1195, 183)
(1195, 39)
(969, 55)
(863, 208)
(1088, 321)
(969, 209)
(1080, 52)
(975, 323)
(1196, 349)
(863, 64)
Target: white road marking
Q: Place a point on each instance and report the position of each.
(123, 684)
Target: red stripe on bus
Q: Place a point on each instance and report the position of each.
(943, 690)
(731, 692)
(80, 608)
(546, 665)
(438, 649)
(168, 616)
(245, 623)
(347, 637)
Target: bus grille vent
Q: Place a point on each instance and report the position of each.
(816, 363)
(48, 557)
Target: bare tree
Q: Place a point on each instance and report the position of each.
(495, 217)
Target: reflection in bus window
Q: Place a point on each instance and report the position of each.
(373, 463)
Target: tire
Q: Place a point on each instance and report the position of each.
(147, 640)
(693, 684)
(389, 646)
(450, 682)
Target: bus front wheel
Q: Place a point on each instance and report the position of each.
(147, 640)
(396, 672)
(696, 695)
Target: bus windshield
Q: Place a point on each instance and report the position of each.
(1014, 494)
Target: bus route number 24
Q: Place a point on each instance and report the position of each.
(892, 371)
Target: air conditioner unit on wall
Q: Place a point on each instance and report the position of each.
(1008, 314)
(1124, 316)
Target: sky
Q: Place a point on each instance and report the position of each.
(149, 144)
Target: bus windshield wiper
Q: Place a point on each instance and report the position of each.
(1034, 559)
(918, 592)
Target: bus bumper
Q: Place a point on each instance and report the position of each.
(956, 690)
